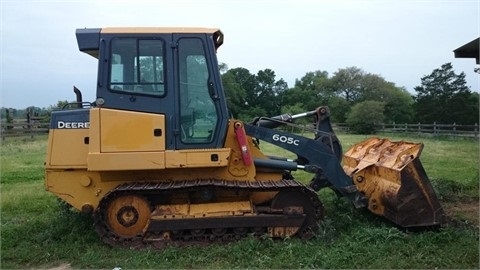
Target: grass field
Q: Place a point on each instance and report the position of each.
(37, 233)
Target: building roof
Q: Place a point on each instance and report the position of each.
(469, 50)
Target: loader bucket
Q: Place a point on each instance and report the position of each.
(393, 179)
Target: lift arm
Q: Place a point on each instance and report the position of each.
(320, 156)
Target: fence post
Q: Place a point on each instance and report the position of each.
(29, 122)
(454, 129)
(434, 128)
(476, 129)
(419, 128)
(406, 128)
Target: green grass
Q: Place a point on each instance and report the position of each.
(36, 232)
(22, 159)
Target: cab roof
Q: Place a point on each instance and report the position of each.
(88, 39)
(157, 30)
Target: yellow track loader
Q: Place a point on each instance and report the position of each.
(156, 157)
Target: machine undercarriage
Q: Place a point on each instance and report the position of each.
(143, 213)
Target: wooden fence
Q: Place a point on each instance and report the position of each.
(23, 128)
(36, 127)
(429, 129)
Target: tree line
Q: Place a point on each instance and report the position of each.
(356, 97)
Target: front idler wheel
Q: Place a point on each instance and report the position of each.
(128, 216)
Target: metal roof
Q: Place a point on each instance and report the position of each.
(88, 39)
(469, 50)
(152, 30)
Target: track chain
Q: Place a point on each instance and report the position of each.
(194, 235)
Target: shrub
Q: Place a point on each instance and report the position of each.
(365, 115)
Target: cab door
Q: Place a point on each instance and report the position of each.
(136, 75)
(201, 112)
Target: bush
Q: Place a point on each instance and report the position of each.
(364, 116)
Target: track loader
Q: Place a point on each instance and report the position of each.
(156, 157)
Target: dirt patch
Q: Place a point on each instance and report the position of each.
(463, 212)
(63, 266)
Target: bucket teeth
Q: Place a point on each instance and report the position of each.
(393, 179)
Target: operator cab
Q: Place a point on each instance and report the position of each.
(168, 71)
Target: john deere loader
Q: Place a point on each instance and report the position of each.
(156, 157)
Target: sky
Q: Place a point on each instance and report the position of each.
(402, 41)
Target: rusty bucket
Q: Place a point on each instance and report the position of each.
(393, 179)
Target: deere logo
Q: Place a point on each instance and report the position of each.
(73, 125)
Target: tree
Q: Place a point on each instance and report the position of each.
(250, 95)
(308, 93)
(398, 105)
(352, 85)
(266, 94)
(339, 108)
(444, 97)
(235, 82)
(234, 93)
(365, 115)
(398, 102)
(312, 81)
(473, 106)
(347, 83)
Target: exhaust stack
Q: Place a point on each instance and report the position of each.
(78, 94)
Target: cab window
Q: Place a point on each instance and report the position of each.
(198, 114)
(137, 66)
